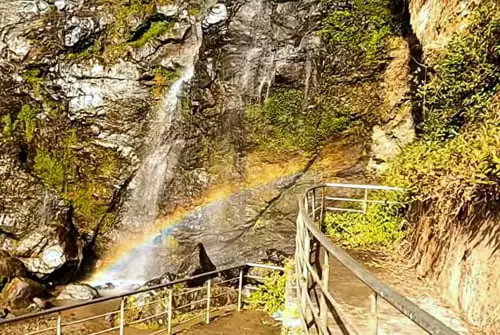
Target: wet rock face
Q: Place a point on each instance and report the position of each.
(85, 128)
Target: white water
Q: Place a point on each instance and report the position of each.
(146, 189)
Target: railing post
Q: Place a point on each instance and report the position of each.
(313, 204)
(305, 276)
(122, 316)
(325, 276)
(365, 201)
(240, 289)
(59, 324)
(322, 210)
(374, 311)
(169, 311)
(207, 320)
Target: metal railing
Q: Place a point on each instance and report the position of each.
(164, 308)
(320, 312)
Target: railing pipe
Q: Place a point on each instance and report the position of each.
(405, 306)
(374, 311)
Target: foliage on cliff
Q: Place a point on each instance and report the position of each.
(282, 123)
(455, 167)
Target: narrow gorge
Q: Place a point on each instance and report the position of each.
(135, 132)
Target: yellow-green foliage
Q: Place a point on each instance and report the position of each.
(358, 32)
(163, 78)
(58, 168)
(27, 118)
(270, 296)
(116, 40)
(464, 76)
(7, 125)
(156, 30)
(381, 226)
(33, 78)
(455, 165)
(282, 124)
(50, 170)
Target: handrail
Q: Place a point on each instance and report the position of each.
(308, 229)
(58, 310)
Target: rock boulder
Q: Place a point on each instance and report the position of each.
(79, 292)
(19, 292)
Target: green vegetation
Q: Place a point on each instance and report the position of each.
(49, 168)
(35, 80)
(270, 296)
(464, 77)
(156, 30)
(381, 226)
(194, 11)
(282, 124)
(163, 78)
(358, 33)
(455, 166)
(27, 117)
(117, 38)
(7, 125)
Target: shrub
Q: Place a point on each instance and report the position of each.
(270, 296)
(7, 125)
(455, 166)
(464, 77)
(358, 32)
(381, 226)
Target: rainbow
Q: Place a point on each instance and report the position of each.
(132, 248)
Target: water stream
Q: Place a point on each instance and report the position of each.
(162, 155)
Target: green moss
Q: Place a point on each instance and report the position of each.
(27, 117)
(194, 11)
(7, 125)
(50, 169)
(163, 79)
(34, 79)
(282, 124)
(157, 29)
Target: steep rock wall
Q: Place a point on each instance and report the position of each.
(463, 262)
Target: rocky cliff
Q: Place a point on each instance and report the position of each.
(456, 239)
(134, 130)
(117, 116)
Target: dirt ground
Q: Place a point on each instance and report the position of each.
(242, 323)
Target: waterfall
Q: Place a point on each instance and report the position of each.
(147, 185)
(140, 210)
